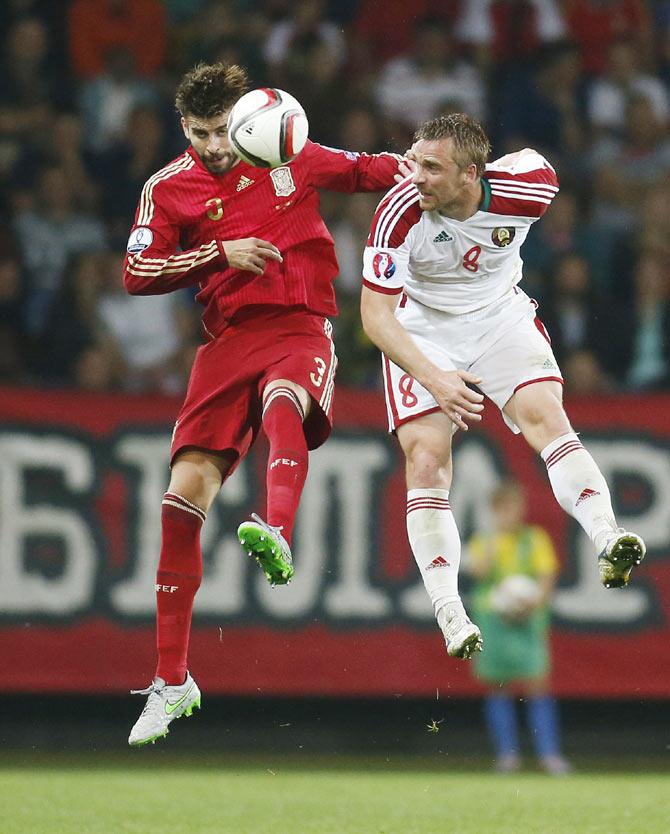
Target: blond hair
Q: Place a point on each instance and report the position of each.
(469, 137)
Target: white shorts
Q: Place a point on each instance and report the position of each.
(505, 344)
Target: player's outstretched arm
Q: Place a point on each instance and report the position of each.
(449, 388)
(350, 171)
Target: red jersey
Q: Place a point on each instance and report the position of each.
(185, 206)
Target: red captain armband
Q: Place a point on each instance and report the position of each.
(383, 290)
(222, 253)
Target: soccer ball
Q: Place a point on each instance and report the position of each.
(511, 597)
(267, 127)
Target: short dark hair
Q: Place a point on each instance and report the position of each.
(469, 137)
(210, 89)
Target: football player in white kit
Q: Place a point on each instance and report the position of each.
(441, 300)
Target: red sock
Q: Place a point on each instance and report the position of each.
(287, 463)
(177, 581)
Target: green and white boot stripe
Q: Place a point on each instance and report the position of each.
(164, 705)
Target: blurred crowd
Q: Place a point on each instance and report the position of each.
(87, 115)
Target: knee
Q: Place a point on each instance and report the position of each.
(428, 468)
(197, 478)
(192, 489)
(546, 413)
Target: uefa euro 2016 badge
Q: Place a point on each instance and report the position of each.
(282, 179)
(503, 235)
(140, 239)
(383, 266)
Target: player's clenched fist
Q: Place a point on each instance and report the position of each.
(458, 402)
(250, 254)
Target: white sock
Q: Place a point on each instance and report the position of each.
(436, 545)
(580, 488)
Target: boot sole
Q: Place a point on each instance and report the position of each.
(616, 568)
(266, 553)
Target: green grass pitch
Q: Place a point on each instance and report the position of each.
(145, 793)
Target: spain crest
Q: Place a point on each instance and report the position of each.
(282, 179)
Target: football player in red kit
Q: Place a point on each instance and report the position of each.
(253, 242)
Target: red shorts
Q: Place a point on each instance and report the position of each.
(223, 405)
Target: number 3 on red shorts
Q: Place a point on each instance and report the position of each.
(317, 376)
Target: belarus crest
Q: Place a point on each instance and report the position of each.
(503, 235)
(282, 179)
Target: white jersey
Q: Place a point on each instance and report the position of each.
(459, 266)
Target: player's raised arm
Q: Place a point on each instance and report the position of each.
(349, 171)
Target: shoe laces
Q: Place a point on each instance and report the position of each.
(608, 540)
(154, 686)
(276, 531)
(453, 625)
(266, 526)
(153, 704)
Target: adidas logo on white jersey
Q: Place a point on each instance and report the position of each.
(443, 237)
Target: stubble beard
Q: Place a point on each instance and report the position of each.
(219, 165)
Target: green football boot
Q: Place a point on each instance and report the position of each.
(269, 548)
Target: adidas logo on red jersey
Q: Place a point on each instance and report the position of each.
(439, 562)
(584, 494)
(243, 183)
